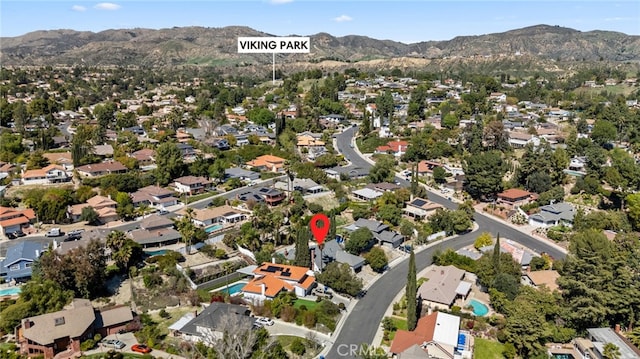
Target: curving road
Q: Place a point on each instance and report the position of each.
(365, 318)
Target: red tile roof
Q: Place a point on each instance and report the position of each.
(404, 339)
(514, 193)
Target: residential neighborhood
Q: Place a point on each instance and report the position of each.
(176, 211)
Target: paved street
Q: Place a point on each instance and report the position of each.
(365, 318)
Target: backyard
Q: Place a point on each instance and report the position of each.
(488, 349)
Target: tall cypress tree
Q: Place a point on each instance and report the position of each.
(496, 255)
(303, 254)
(412, 294)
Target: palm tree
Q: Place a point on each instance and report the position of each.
(611, 351)
(186, 227)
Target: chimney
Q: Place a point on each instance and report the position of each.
(273, 260)
(195, 313)
(26, 323)
(263, 289)
(617, 329)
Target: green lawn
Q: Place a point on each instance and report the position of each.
(311, 305)
(198, 197)
(487, 349)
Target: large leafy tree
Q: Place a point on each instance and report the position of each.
(340, 278)
(382, 171)
(169, 163)
(303, 255)
(359, 241)
(384, 104)
(484, 172)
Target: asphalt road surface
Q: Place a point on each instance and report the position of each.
(363, 322)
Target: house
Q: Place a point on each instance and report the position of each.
(554, 214)
(515, 197)
(50, 334)
(272, 196)
(187, 151)
(520, 140)
(155, 231)
(191, 184)
(444, 286)
(154, 196)
(578, 163)
(426, 167)
(331, 251)
(419, 208)
(18, 262)
(215, 215)
(601, 336)
(145, 157)
(101, 169)
(50, 174)
(498, 97)
(380, 232)
(60, 141)
(436, 334)
(519, 253)
(60, 158)
(13, 220)
(308, 139)
(366, 194)
(241, 174)
(541, 278)
(302, 185)
(6, 169)
(183, 137)
(267, 163)
(269, 279)
(105, 207)
(383, 187)
(208, 326)
(397, 148)
(103, 150)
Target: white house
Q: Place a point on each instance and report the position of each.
(47, 175)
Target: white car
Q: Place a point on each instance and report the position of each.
(265, 321)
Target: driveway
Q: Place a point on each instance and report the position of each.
(129, 339)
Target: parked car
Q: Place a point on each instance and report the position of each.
(54, 232)
(322, 293)
(74, 235)
(113, 343)
(141, 348)
(264, 321)
(20, 233)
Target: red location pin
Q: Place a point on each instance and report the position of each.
(319, 233)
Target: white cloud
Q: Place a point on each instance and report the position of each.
(342, 18)
(78, 8)
(107, 6)
(279, 2)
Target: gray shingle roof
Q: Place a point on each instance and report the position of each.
(216, 316)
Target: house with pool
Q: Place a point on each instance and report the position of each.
(444, 286)
(270, 279)
(216, 216)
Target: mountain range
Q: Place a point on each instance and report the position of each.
(218, 47)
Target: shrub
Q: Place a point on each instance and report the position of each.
(455, 309)
(297, 347)
(341, 306)
(87, 345)
(163, 314)
(388, 324)
(309, 319)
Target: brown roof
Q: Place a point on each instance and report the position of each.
(514, 193)
(42, 172)
(58, 157)
(70, 322)
(211, 212)
(113, 316)
(442, 284)
(424, 331)
(186, 180)
(544, 277)
(114, 166)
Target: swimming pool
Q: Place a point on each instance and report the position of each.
(213, 228)
(479, 309)
(562, 356)
(10, 291)
(233, 289)
(156, 253)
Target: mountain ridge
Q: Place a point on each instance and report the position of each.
(216, 46)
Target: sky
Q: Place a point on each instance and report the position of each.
(407, 21)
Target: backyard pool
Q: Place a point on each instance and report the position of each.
(233, 289)
(10, 291)
(562, 356)
(213, 228)
(156, 253)
(479, 309)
